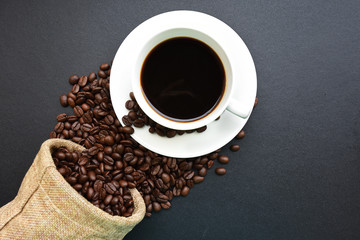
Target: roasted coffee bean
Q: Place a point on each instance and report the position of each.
(75, 126)
(202, 172)
(61, 117)
(198, 179)
(52, 134)
(202, 129)
(171, 133)
(83, 81)
(91, 77)
(109, 119)
(234, 147)
(108, 150)
(223, 159)
(132, 96)
(91, 175)
(77, 187)
(220, 171)
(132, 115)
(78, 111)
(110, 188)
(83, 160)
(73, 79)
(165, 177)
(210, 164)
(240, 135)
(64, 100)
(59, 127)
(156, 206)
(90, 193)
(108, 160)
(138, 123)
(101, 74)
(129, 104)
(185, 191)
(75, 89)
(109, 140)
(104, 66)
(85, 107)
(128, 157)
(189, 175)
(128, 130)
(108, 199)
(72, 118)
(126, 120)
(71, 102)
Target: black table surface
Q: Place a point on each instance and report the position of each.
(297, 173)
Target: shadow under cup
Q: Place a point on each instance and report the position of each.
(175, 123)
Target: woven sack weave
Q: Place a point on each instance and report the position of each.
(47, 207)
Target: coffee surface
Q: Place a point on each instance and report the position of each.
(183, 79)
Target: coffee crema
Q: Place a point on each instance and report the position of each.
(182, 79)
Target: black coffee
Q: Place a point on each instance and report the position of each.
(183, 79)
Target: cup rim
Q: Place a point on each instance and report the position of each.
(183, 31)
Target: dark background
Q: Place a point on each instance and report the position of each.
(297, 175)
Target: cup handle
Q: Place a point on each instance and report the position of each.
(238, 108)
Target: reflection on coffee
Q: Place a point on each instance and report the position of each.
(183, 79)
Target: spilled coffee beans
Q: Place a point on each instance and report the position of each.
(113, 162)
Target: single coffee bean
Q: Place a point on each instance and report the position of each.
(165, 177)
(61, 117)
(73, 79)
(185, 191)
(108, 160)
(78, 111)
(234, 147)
(64, 100)
(171, 133)
(77, 187)
(156, 206)
(104, 66)
(126, 120)
(109, 140)
(220, 171)
(123, 183)
(198, 179)
(202, 129)
(71, 102)
(210, 164)
(132, 96)
(91, 175)
(202, 172)
(101, 74)
(59, 127)
(75, 89)
(91, 77)
(83, 81)
(223, 159)
(85, 107)
(128, 130)
(129, 104)
(132, 115)
(240, 135)
(139, 123)
(108, 199)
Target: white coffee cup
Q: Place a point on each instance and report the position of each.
(204, 28)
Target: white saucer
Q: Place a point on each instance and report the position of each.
(219, 132)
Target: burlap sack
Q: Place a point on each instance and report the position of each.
(47, 207)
